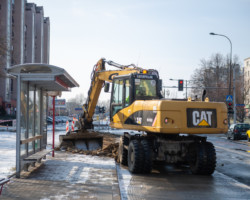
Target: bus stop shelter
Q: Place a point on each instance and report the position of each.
(34, 84)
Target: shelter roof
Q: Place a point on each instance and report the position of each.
(48, 77)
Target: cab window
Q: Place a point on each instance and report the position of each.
(121, 95)
(127, 97)
(145, 88)
(116, 103)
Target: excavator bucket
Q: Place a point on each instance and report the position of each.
(82, 141)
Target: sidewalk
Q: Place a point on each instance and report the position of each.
(67, 176)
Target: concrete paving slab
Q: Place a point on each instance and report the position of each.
(67, 176)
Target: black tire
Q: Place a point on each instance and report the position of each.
(147, 150)
(228, 136)
(135, 157)
(122, 153)
(248, 138)
(202, 158)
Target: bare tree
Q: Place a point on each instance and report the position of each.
(240, 93)
(75, 102)
(213, 75)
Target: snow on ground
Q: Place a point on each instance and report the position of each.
(7, 153)
(8, 145)
(8, 148)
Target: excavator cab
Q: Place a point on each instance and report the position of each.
(128, 88)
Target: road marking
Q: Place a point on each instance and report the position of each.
(233, 181)
(234, 151)
(237, 141)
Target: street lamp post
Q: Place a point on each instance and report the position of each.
(230, 71)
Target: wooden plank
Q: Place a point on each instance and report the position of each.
(37, 156)
(31, 139)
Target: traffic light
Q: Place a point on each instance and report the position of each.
(100, 109)
(180, 85)
(230, 109)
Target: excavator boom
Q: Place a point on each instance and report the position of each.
(98, 77)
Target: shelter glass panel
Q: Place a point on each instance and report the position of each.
(31, 110)
(31, 115)
(24, 111)
(37, 144)
(30, 147)
(44, 120)
(23, 149)
(37, 112)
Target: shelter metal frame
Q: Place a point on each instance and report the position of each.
(34, 83)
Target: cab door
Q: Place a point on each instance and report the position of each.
(120, 98)
(116, 100)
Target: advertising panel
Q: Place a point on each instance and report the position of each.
(60, 103)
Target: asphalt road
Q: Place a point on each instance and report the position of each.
(231, 180)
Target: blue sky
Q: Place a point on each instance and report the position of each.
(171, 36)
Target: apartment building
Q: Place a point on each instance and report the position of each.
(24, 38)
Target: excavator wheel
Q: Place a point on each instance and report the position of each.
(135, 156)
(123, 153)
(202, 158)
(147, 150)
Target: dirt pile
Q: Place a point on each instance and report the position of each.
(109, 147)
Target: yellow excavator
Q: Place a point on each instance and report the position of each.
(171, 129)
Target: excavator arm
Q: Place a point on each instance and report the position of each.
(98, 77)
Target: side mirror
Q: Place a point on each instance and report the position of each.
(106, 87)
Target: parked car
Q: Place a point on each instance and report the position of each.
(58, 119)
(248, 135)
(49, 120)
(238, 131)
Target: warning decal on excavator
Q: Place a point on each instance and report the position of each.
(201, 118)
(203, 123)
(142, 117)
